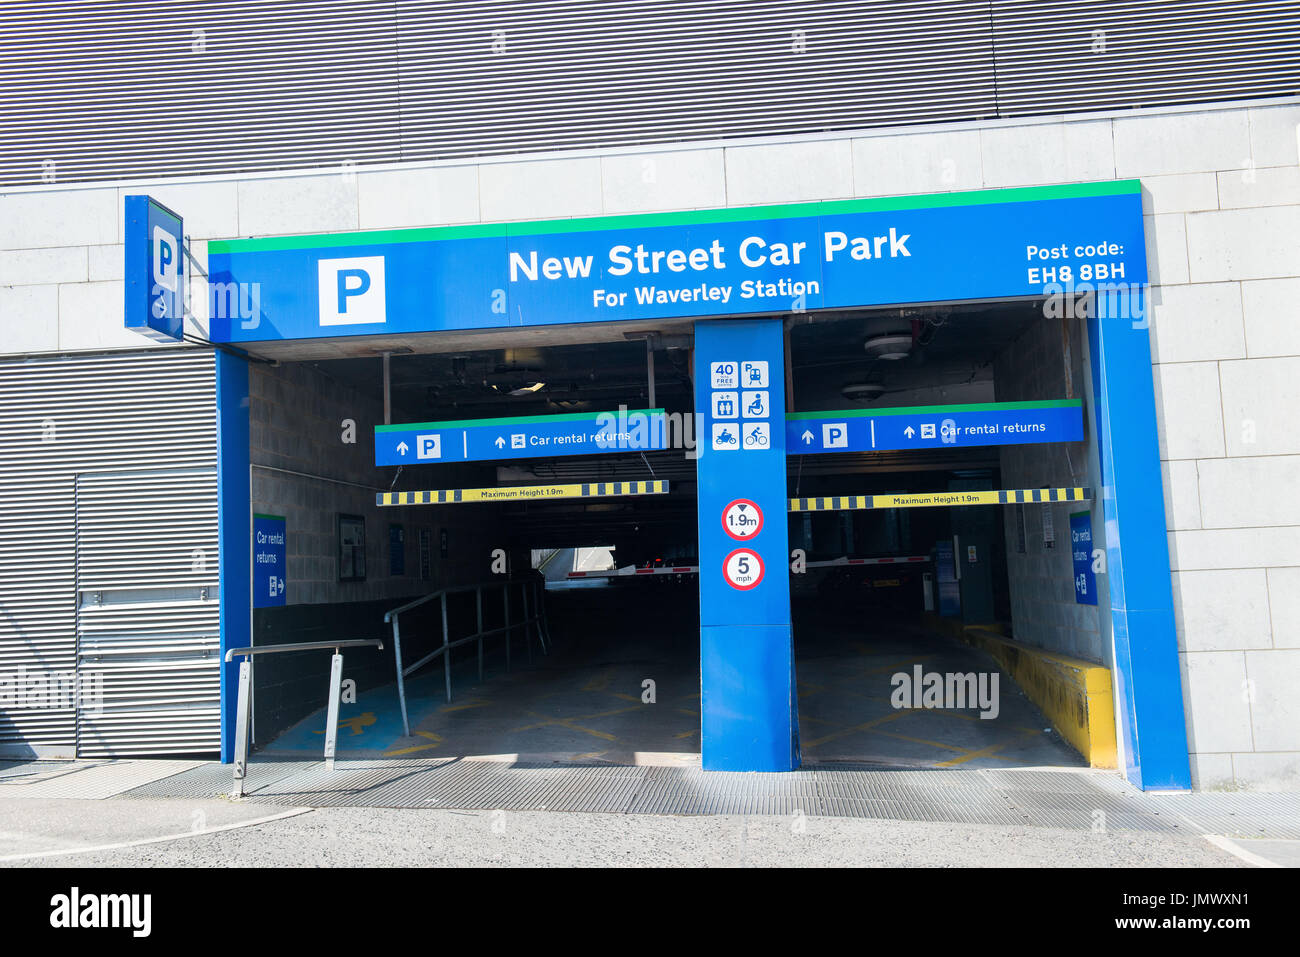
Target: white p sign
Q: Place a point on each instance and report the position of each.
(166, 258)
(351, 290)
(835, 435)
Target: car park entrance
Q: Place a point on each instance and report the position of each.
(1043, 412)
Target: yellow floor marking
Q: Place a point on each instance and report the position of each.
(983, 752)
(933, 744)
(600, 682)
(804, 687)
(973, 717)
(436, 739)
(446, 709)
(856, 728)
(626, 697)
(357, 723)
(570, 722)
(687, 734)
(906, 663)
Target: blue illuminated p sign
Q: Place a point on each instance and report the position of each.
(351, 290)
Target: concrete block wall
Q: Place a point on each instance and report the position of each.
(298, 424)
(1222, 204)
(1046, 362)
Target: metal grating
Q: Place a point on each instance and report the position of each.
(98, 90)
(1067, 800)
(215, 781)
(94, 780)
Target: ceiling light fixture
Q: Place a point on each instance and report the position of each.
(890, 347)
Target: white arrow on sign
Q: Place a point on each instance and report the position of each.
(500, 442)
(402, 448)
(807, 437)
(909, 431)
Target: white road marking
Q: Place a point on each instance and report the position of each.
(292, 812)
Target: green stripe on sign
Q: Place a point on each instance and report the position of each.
(937, 409)
(522, 420)
(696, 217)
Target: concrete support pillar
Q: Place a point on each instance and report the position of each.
(748, 703)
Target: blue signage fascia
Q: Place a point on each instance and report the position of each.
(1081, 547)
(269, 561)
(932, 427)
(154, 242)
(525, 437)
(726, 262)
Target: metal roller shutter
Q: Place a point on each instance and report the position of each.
(103, 91)
(148, 624)
(60, 417)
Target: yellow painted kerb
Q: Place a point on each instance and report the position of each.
(1075, 695)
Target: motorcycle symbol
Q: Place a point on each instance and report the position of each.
(726, 438)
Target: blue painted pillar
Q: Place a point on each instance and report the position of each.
(748, 703)
(234, 521)
(1147, 680)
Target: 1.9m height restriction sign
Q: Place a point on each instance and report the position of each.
(742, 519)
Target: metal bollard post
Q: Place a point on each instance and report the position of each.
(241, 726)
(332, 720)
(478, 605)
(506, 592)
(446, 649)
(401, 679)
(528, 624)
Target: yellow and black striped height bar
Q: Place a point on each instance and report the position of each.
(835, 503)
(522, 493)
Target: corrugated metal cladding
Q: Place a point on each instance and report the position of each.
(169, 87)
(108, 553)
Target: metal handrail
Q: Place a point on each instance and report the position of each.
(306, 646)
(533, 622)
(244, 701)
(449, 590)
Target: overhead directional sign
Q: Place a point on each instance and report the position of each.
(529, 437)
(934, 426)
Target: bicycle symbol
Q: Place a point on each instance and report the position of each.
(756, 438)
